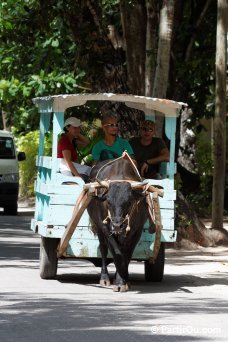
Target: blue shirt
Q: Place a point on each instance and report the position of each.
(102, 151)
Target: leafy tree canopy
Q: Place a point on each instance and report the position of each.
(53, 47)
(37, 58)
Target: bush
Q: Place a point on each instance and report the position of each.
(29, 144)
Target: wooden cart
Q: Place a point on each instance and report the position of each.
(56, 194)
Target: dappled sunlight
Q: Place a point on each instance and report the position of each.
(106, 314)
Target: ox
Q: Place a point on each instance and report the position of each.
(119, 211)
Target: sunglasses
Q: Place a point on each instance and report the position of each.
(145, 129)
(111, 125)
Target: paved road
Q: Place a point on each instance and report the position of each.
(189, 305)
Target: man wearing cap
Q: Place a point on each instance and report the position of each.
(149, 150)
(66, 150)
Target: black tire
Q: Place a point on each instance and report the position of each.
(48, 257)
(154, 272)
(10, 209)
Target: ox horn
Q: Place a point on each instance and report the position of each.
(147, 187)
(103, 183)
(138, 185)
(95, 185)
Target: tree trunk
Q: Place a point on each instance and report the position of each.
(163, 56)
(164, 47)
(187, 144)
(152, 10)
(4, 121)
(132, 17)
(219, 120)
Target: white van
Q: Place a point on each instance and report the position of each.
(9, 173)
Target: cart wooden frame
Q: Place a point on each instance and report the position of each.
(56, 194)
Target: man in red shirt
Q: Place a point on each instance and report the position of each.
(71, 138)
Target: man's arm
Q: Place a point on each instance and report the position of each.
(163, 156)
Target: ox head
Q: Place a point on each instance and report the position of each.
(120, 199)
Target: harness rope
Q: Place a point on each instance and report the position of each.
(135, 204)
(124, 156)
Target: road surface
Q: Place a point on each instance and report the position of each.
(189, 305)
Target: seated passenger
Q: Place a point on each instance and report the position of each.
(149, 150)
(111, 146)
(67, 149)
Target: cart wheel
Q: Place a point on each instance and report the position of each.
(48, 257)
(154, 272)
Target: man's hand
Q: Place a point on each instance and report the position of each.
(144, 168)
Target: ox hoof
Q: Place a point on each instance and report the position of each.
(104, 282)
(121, 288)
(116, 288)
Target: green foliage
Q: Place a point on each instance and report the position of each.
(95, 133)
(204, 153)
(201, 200)
(194, 68)
(29, 143)
(37, 58)
(16, 95)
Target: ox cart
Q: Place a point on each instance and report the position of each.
(56, 211)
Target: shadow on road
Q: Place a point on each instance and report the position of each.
(19, 247)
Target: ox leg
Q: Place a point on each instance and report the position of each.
(104, 279)
(120, 284)
(121, 262)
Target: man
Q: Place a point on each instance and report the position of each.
(111, 146)
(149, 150)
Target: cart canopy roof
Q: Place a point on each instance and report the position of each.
(59, 103)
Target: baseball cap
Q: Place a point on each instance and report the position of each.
(73, 122)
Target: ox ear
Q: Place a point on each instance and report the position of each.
(97, 189)
(145, 188)
(101, 194)
(139, 188)
(139, 192)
